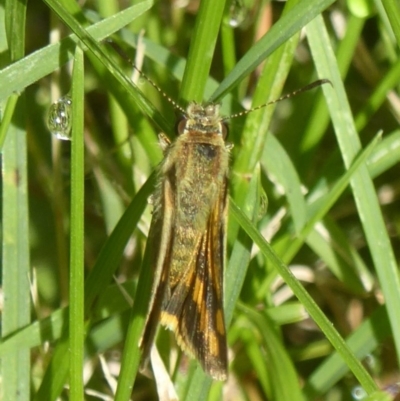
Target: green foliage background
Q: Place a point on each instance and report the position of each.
(311, 286)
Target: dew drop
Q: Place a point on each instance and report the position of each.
(358, 393)
(59, 118)
(237, 13)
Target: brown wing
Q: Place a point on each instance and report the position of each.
(193, 309)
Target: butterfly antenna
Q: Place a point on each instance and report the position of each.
(308, 87)
(118, 49)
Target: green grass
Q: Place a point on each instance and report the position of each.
(311, 286)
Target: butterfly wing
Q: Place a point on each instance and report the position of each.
(193, 307)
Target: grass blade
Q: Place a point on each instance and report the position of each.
(76, 294)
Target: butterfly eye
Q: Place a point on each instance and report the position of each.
(180, 128)
(224, 131)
